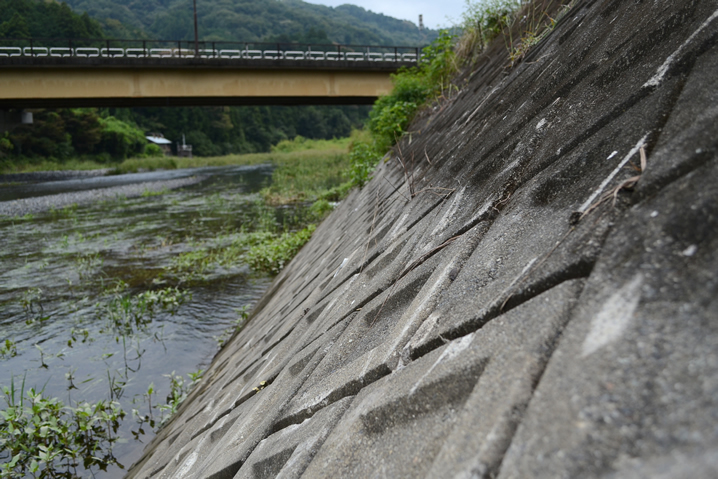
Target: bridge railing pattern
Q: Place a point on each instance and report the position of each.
(162, 49)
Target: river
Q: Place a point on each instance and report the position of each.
(107, 291)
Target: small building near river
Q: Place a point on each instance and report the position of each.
(159, 140)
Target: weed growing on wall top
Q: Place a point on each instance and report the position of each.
(520, 24)
(392, 113)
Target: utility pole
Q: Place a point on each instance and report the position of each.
(196, 35)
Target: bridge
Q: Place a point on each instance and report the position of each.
(51, 73)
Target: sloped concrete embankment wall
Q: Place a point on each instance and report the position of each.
(502, 320)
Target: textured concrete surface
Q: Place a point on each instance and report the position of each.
(524, 313)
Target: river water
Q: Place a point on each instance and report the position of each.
(70, 279)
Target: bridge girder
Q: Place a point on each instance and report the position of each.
(82, 85)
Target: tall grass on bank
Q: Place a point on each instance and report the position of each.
(520, 24)
(391, 115)
(287, 151)
(9, 168)
(282, 152)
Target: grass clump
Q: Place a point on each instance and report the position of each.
(306, 170)
(128, 313)
(179, 390)
(8, 349)
(520, 24)
(149, 193)
(273, 255)
(223, 252)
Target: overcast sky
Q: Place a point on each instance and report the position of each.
(435, 11)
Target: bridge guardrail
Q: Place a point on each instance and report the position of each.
(159, 49)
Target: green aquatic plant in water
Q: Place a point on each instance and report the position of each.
(273, 255)
(8, 349)
(128, 313)
(222, 252)
(43, 437)
(179, 390)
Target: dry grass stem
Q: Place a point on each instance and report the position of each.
(409, 269)
(371, 230)
(625, 185)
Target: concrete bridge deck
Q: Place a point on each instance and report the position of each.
(52, 77)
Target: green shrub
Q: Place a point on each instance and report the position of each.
(121, 140)
(152, 150)
(320, 209)
(337, 193)
(5, 146)
(364, 158)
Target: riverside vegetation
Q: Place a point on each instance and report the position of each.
(44, 437)
(128, 277)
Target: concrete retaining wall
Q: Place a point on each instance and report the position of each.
(507, 307)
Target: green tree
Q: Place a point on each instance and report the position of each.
(16, 27)
(84, 129)
(121, 140)
(34, 18)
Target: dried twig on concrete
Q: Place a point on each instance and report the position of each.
(410, 268)
(627, 184)
(368, 241)
(408, 176)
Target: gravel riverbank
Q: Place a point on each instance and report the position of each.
(40, 176)
(44, 203)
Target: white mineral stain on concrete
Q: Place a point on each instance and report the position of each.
(608, 179)
(615, 316)
(346, 260)
(187, 465)
(191, 459)
(656, 79)
(449, 216)
(451, 351)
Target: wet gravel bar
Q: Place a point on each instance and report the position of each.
(40, 176)
(41, 204)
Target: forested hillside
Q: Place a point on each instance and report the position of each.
(29, 18)
(252, 20)
(114, 134)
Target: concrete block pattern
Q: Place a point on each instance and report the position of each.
(529, 312)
